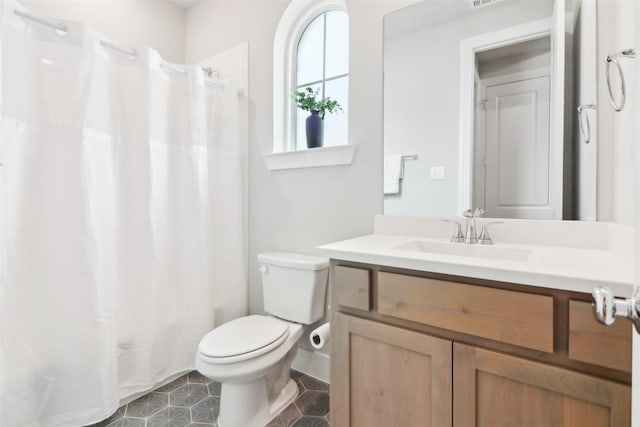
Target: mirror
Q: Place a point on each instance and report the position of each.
(481, 105)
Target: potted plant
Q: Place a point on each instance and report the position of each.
(307, 100)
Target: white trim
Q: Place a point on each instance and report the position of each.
(312, 157)
(479, 148)
(293, 22)
(515, 77)
(312, 363)
(557, 109)
(635, 153)
(468, 49)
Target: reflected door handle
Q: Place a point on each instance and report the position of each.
(606, 307)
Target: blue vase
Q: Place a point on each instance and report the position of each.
(315, 129)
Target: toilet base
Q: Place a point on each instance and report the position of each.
(286, 397)
(243, 405)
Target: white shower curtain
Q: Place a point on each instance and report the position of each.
(122, 221)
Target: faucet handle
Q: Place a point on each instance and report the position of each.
(473, 213)
(484, 238)
(457, 237)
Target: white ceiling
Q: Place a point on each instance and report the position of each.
(186, 4)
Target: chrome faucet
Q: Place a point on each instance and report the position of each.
(470, 237)
(484, 238)
(457, 237)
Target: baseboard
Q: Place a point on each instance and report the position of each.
(312, 363)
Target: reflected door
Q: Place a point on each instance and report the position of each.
(518, 183)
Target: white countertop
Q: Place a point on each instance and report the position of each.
(559, 267)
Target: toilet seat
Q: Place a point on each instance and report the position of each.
(242, 339)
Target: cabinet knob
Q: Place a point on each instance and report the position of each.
(606, 307)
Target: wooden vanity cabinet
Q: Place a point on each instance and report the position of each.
(420, 349)
(388, 376)
(494, 389)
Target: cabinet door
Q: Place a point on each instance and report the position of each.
(493, 390)
(386, 376)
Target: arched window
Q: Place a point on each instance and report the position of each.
(322, 63)
(311, 49)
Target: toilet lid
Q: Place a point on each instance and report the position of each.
(244, 335)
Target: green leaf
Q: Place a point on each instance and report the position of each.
(307, 100)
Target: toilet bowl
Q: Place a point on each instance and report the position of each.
(251, 356)
(255, 377)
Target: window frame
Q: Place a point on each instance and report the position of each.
(295, 20)
(293, 143)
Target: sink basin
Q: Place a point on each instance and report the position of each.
(462, 249)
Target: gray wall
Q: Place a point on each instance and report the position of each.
(297, 210)
(616, 191)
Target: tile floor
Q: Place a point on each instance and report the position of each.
(193, 401)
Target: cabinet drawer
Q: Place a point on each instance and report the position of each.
(351, 287)
(517, 318)
(592, 342)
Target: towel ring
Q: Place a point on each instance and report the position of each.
(611, 59)
(583, 121)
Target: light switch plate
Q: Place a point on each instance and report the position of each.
(437, 173)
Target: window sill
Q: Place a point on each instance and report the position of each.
(311, 158)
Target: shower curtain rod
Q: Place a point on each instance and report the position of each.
(61, 26)
(56, 25)
(123, 50)
(210, 72)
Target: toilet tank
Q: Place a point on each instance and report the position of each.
(294, 286)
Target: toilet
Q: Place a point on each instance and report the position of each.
(251, 356)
